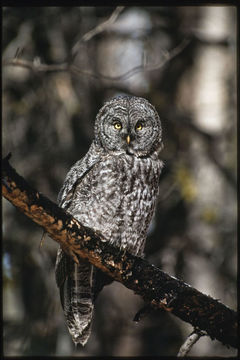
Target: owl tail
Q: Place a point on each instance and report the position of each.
(79, 287)
(76, 291)
(77, 301)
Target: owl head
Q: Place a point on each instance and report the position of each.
(128, 124)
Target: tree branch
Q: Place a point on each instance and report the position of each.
(37, 67)
(102, 26)
(96, 30)
(156, 287)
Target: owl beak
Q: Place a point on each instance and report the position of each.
(128, 139)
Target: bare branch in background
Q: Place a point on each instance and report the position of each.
(98, 29)
(36, 66)
(103, 26)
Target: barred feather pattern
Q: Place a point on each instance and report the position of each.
(76, 297)
(113, 190)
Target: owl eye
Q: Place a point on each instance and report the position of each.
(139, 125)
(117, 125)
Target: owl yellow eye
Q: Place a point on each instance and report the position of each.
(139, 126)
(117, 125)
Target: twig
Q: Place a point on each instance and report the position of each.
(190, 341)
(103, 26)
(19, 52)
(97, 30)
(36, 65)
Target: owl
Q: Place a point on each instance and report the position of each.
(113, 190)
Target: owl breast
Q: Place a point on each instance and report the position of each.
(117, 197)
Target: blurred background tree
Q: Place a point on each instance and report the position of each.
(48, 120)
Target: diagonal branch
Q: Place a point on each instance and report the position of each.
(96, 30)
(156, 287)
(103, 26)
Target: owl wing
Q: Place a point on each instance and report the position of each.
(78, 284)
(64, 199)
(77, 173)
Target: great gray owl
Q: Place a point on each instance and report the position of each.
(112, 189)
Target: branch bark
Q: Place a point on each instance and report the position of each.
(156, 287)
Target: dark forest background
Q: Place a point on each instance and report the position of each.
(183, 60)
